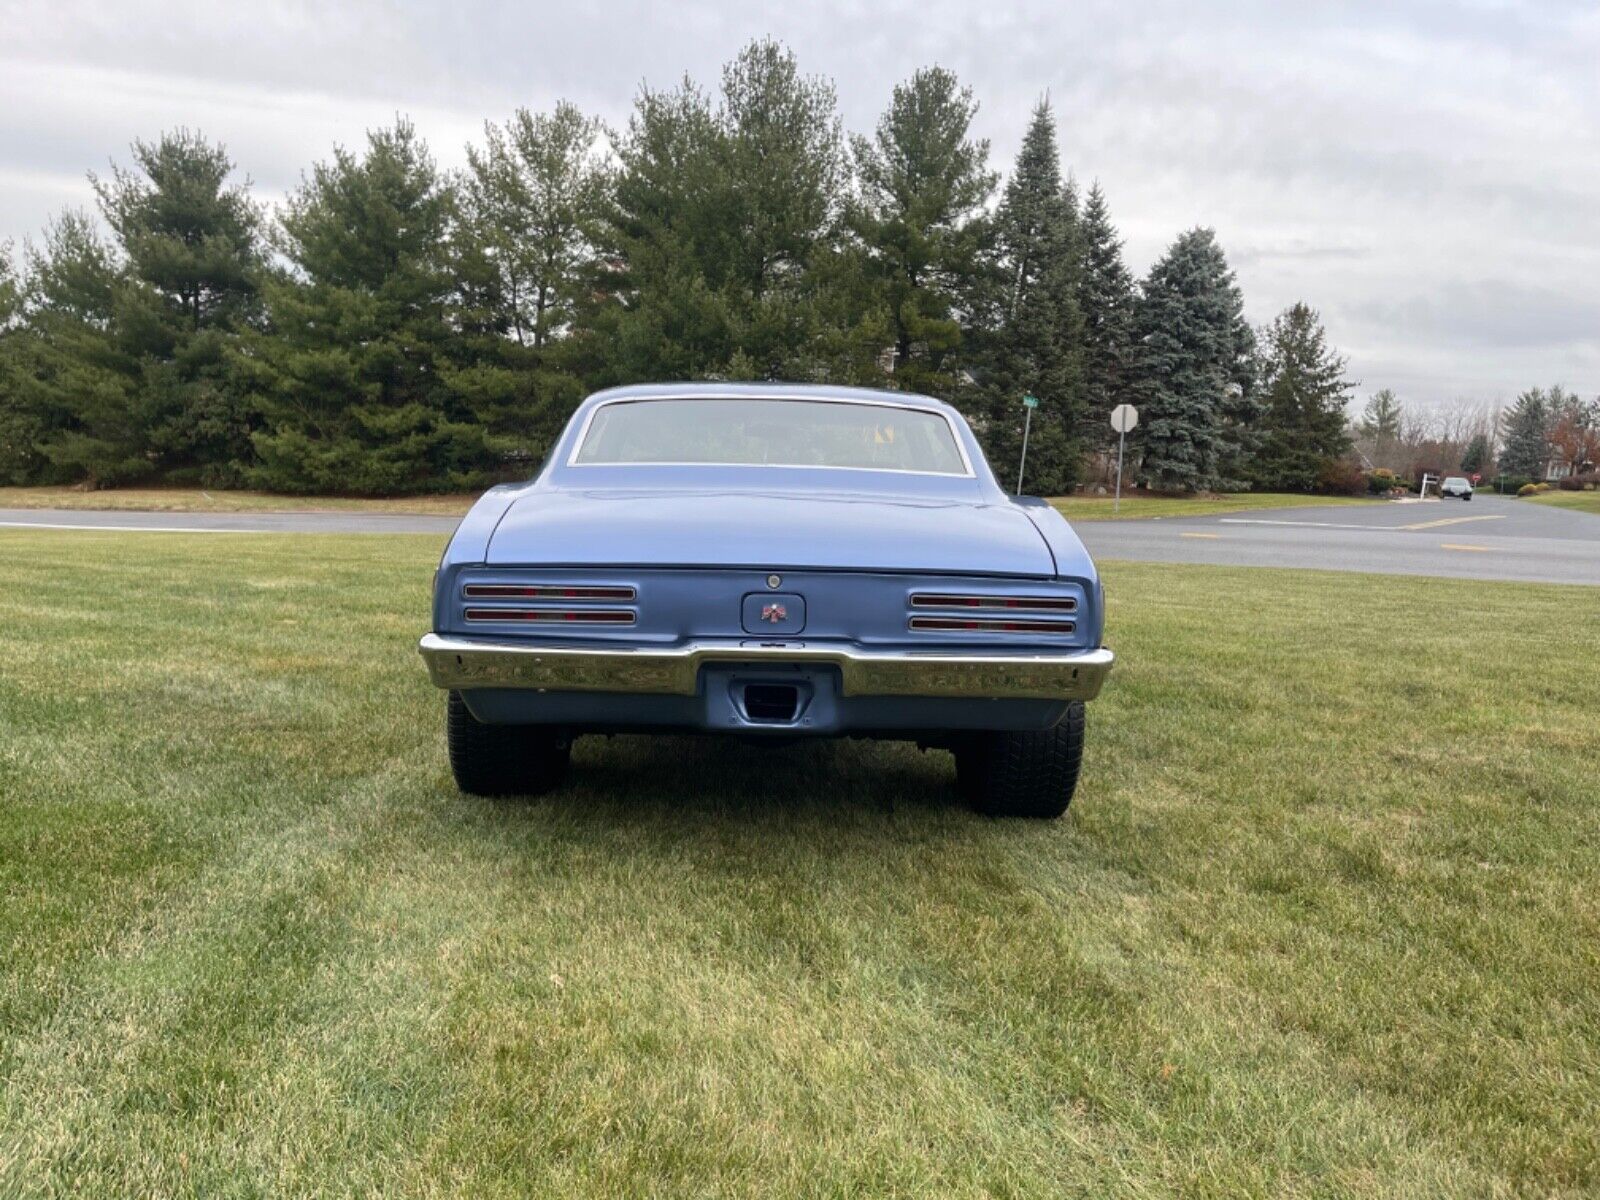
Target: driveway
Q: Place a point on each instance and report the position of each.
(1488, 538)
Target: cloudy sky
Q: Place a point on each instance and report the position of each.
(1425, 173)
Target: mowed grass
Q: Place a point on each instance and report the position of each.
(1322, 921)
(1077, 508)
(1588, 502)
(1133, 507)
(220, 501)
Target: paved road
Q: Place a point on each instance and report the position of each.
(1490, 538)
(286, 522)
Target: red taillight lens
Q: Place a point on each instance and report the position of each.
(576, 616)
(1021, 603)
(989, 625)
(546, 591)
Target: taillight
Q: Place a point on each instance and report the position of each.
(1010, 603)
(575, 616)
(990, 625)
(546, 591)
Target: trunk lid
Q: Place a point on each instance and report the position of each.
(764, 529)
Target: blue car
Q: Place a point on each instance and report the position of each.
(769, 561)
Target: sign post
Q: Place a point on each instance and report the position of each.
(1030, 403)
(1123, 418)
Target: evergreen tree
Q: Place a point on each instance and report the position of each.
(1304, 393)
(526, 260)
(727, 227)
(1525, 435)
(75, 384)
(1475, 458)
(191, 242)
(354, 378)
(536, 195)
(18, 430)
(1195, 373)
(1106, 302)
(1037, 347)
(923, 182)
(1380, 419)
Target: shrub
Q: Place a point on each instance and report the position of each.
(1383, 481)
(1532, 489)
(1579, 483)
(1341, 477)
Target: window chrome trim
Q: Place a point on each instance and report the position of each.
(790, 397)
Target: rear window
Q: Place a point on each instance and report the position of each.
(771, 433)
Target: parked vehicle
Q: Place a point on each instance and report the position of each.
(1455, 485)
(769, 561)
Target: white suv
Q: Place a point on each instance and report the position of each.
(1456, 486)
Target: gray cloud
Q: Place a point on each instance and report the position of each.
(1427, 173)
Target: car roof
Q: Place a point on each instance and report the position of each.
(717, 390)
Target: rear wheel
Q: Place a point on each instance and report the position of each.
(502, 760)
(1023, 774)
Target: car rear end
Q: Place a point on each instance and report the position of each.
(771, 562)
(765, 652)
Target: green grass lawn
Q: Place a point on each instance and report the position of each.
(1077, 508)
(1099, 508)
(1322, 921)
(1588, 502)
(205, 500)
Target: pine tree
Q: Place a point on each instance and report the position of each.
(1380, 419)
(1195, 373)
(19, 429)
(923, 182)
(1037, 347)
(1525, 435)
(75, 382)
(354, 380)
(1304, 393)
(535, 196)
(1106, 302)
(1476, 456)
(727, 229)
(191, 241)
(526, 260)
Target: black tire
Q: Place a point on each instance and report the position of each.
(1468, 496)
(502, 760)
(1023, 774)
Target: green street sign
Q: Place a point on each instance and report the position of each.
(1030, 402)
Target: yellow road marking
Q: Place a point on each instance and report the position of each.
(1213, 536)
(1453, 521)
(1459, 546)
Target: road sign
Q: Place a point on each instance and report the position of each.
(1030, 403)
(1123, 418)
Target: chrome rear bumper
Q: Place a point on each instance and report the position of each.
(461, 663)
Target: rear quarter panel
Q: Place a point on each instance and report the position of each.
(1072, 560)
